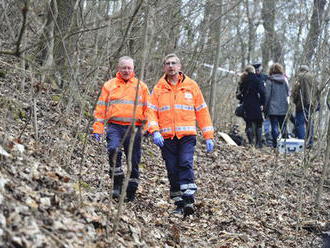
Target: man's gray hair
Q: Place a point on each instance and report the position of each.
(171, 55)
(303, 68)
(121, 59)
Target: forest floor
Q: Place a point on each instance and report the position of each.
(245, 198)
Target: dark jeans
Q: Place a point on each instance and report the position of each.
(278, 126)
(301, 122)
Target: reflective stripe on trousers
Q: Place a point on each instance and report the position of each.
(115, 134)
(176, 196)
(178, 155)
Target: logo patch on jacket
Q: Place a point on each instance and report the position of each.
(188, 95)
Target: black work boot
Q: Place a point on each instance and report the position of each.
(130, 194)
(259, 138)
(179, 208)
(249, 134)
(116, 191)
(118, 182)
(188, 209)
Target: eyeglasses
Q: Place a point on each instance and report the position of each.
(170, 63)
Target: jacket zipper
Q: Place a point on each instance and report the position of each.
(173, 110)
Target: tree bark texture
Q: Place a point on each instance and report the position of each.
(214, 79)
(314, 30)
(271, 47)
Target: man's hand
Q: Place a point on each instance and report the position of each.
(96, 136)
(158, 139)
(209, 145)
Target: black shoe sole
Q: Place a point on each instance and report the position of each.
(129, 199)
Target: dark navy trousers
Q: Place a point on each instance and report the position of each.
(115, 135)
(178, 155)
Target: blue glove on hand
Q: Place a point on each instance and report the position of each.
(158, 139)
(97, 136)
(209, 145)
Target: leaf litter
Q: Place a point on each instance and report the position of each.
(245, 198)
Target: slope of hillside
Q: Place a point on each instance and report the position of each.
(246, 197)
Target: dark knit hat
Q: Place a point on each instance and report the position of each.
(256, 65)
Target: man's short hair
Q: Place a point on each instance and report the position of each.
(121, 59)
(171, 55)
(303, 68)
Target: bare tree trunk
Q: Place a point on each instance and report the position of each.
(271, 47)
(314, 30)
(252, 31)
(325, 170)
(128, 29)
(174, 27)
(213, 91)
(63, 24)
(47, 56)
(146, 42)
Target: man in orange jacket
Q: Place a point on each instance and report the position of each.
(176, 104)
(115, 109)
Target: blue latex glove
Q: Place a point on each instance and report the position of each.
(209, 145)
(158, 139)
(96, 136)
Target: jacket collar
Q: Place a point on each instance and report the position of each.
(131, 76)
(166, 84)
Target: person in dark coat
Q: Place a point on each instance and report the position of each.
(277, 100)
(251, 93)
(268, 140)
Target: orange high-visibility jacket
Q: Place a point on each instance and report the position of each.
(116, 103)
(174, 110)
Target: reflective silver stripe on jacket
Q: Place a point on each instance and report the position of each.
(154, 107)
(185, 128)
(99, 120)
(125, 119)
(184, 107)
(101, 103)
(125, 102)
(153, 123)
(164, 130)
(164, 108)
(210, 128)
(204, 105)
